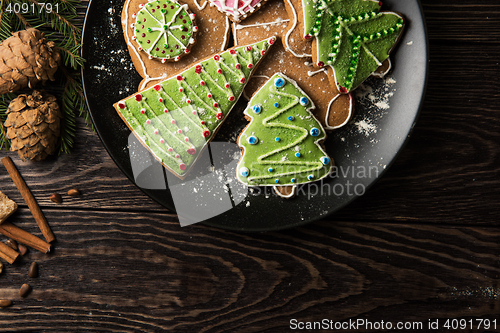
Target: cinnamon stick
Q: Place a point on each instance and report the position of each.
(29, 199)
(8, 253)
(22, 236)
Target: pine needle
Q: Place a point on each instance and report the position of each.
(58, 20)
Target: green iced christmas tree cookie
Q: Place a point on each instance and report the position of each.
(281, 144)
(352, 36)
(176, 118)
(164, 29)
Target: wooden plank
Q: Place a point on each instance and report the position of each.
(131, 272)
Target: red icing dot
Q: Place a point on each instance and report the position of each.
(321, 64)
(171, 50)
(216, 105)
(148, 121)
(219, 71)
(231, 98)
(206, 133)
(209, 95)
(177, 155)
(219, 115)
(202, 83)
(160, 100)
(271, 41)
(194, 112)
(227, 85)
(164, 6)
(191, 151)
(143, 35)
(307, 36)
(183, 37)
(202, 122)
(157, 49)
(148, 41)
(163, 52)
(138, 97)
(172, 7)
(238, 66)
(243, 80)
(183, 21)
(188, 101)
(249, 48)
(198, 69)
(250, 65)
(158, 7)
(380, 3)
(216, 57)
(162, 141)
(186, 51)
(144, 20)
(179, 77)
(170, 149)
(179, 131)
(165, 110)
(186, 139)
(153, 10)
(173, 121)
(156, 132)
(121, 105)
(184, 29)
(263, 52)
(140, 48)
(342, 89)
(177, 46)
(181, 89)
(181, 16)
(232, 51)
(182, 166)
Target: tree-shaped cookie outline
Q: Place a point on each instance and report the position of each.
(157, 38)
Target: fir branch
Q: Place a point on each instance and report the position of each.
(59, 26)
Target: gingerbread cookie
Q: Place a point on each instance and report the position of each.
(281, 144)
(237, 10)
(164, 30)
(211, 28)
(176, 118)
(351, 38)
(292, 59)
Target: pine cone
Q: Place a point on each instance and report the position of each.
(26, 58)
(33, 125)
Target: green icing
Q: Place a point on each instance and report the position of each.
(164, 29)
(177, 117)
(353, 37)
(299, 134)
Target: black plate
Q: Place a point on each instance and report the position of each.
(386, 111)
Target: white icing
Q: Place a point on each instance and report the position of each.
(329, 109)
(287, 36)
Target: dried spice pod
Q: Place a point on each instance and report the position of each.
(33, 270)
(5, 303)
(26, 59)
(34, 125)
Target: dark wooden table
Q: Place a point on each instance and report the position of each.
(421, 245)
